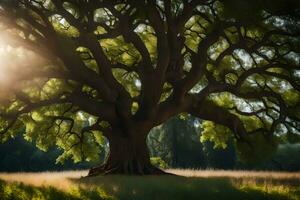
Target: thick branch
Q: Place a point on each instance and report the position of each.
(209, 111)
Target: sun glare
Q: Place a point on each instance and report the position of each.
(11, 61)
(14, 62)
(4, 80)
(3, 64)
(19, 66)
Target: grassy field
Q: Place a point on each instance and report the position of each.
(190, 184)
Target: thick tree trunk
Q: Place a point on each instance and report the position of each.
(127, 156)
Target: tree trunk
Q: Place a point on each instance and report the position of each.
(127, 155)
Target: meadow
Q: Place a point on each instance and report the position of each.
(189, 184)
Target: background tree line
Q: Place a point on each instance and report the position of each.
(181, 142)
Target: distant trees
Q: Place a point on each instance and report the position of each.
(286, 158)
(177, 142)
(19, 155)
(219, 158)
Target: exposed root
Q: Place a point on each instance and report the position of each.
(121, 169)
(96, 171)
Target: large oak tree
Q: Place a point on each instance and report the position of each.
(78, 70)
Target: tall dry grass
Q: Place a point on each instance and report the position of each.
(60, 180)
(190, 184)
(235, 173)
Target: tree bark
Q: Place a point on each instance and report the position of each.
(127, 155)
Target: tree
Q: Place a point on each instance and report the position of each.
(127, 66)
(218, 158)
(19, 155)
(177, 142)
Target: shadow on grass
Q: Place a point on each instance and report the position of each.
(20, 191)
(142, 188)
(173, 188)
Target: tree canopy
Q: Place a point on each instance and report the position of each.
(75, 71)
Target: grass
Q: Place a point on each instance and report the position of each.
(191, 184)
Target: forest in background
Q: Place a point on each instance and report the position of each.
(179, 143)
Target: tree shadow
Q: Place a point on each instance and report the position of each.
(142, 188)
(173, 187)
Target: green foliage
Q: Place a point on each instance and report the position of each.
(46, 130)
(224, 100)
(260, 148)
(215, 133)
(158, 162)
(291, 96)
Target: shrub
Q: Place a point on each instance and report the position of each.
(158, 162)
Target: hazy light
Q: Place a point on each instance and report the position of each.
(18, 66)
(4, 74)
(4, 64)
